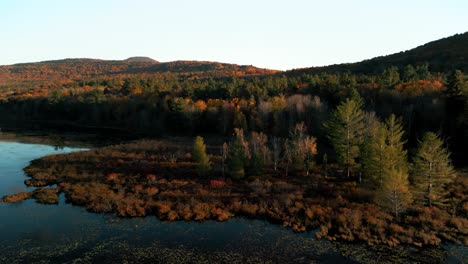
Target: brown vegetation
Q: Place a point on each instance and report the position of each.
(135, 180)
(17, 197)
(46, 196)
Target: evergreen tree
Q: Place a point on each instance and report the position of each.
(456, 87)
(432, 170)
(423, 72)
(456, 120)
(239, 120)
(200, 157)
(236, 161)
(345, 130)
(374, 151)
(409, 73)
(396, 154)
(238, 155)
(394, 193)
(390, 76)
(383, 149)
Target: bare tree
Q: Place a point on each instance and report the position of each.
(224, 151)
(276, 148)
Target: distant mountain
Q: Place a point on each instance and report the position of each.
(68, 70)
(141, 59)
(442, 55)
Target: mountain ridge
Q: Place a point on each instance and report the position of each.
(441, 55)
(75, 69)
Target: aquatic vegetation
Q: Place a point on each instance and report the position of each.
(136, 180)
(17, 197)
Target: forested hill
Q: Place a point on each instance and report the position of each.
(69, 70)
(140, 95)
(442, 55)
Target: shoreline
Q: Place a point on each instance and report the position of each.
(137, 179)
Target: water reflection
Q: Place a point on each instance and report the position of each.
(32, 232)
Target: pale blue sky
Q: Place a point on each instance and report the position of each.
(269, 34)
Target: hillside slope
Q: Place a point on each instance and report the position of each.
(68, 70)
(442, 55)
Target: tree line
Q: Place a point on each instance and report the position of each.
(172, 104)
(369, 151)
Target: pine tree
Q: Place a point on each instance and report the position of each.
(396, 154)
(394, 193)
(236, 161)
(200, 157)
(432, 170)
(374, 151)
(238, 155)
(423, 71)
(456, 107)
(383, 149)
(409, 73)
(345, 130)
(390, 76)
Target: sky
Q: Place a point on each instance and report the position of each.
(268, 34)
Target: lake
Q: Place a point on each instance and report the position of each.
(63, 233)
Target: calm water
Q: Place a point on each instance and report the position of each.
(63, 233)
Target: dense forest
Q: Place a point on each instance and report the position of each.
(172, 104)
(385, 131)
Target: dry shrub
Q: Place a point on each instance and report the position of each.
(220, 214)
(203, 192)
(256, 185)
(323, 232)
(201, 211)
(355, 219)
(249, 208)
(135, 191)
(129, 206)
(138, 188)
(162, 181)
(172, 215)
(395, 228)
(184, 210)
(162, 208)
(217, 183)
(151, 178)
(282, 186)
(178, 183)
(36, 183)
(151, 191)
(18, 197)
(427, 239)
(44, 177)
(46, 196)
(112, 177)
